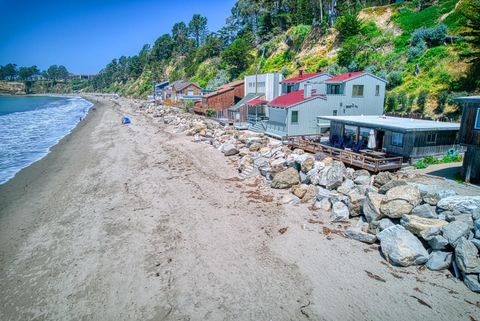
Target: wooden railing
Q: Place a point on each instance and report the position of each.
(373, 164)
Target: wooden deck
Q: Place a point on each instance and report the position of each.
(369, 163)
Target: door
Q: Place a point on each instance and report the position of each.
(379, 139)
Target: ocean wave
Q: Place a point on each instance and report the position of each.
(27, 136)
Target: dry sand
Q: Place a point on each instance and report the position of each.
(136, 223)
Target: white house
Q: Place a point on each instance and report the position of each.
(317, 80)
(354, 93)
(267, 85)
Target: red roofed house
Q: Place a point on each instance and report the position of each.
(298, 83)
(295, 113)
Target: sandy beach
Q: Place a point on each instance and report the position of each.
(135, 222)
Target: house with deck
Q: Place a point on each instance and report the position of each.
(469, 136)
(412, 139)
(182, 90)
(295, 113)
(221, 99)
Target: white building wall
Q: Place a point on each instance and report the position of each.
(369, 104)
(318, 83)
(307, 118)
(268, 84)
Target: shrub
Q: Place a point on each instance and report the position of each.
(352, 66)
(382, 74)
(442, 98)
(411, 101)
(348, 25)
(418, 35)
(422, 101)
(420, 165)
(430, 160)
(432, 36)
(371, 69)
(395, 79)
(415, 52)
(402, 101)
(210, 113)
(392, 103)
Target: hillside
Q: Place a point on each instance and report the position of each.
(424, 54)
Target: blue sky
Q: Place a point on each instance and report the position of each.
(85, 35)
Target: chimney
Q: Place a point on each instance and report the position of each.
(300, 73)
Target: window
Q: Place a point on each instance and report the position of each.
(431, 138)
(357, 91)
(350, 133)
(397, 139)
(294, 117)
(190, 92)
(377, 90)
(477, 121)
(335, 113)
(364, 135)
(334, 89)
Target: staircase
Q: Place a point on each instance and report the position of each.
(258, 127)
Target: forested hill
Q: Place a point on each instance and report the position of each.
(427, 50)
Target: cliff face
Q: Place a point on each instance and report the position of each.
(13, 88)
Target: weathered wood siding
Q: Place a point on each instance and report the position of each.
(472, 156)
(468, 134)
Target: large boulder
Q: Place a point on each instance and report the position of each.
(461, 204)
(309, 194)
(425, 210)
(439, 260)
(472, 281)
(400, 200)
(431, 193)
(340, 212)
(355, 202)
(346, 186)
(229, 149)
(277, 166)
(371, 206)
(454, 231)
(417, 224)
(438, 242)
(359, 235)
(466, 256)
(382, 178)
(307, 164)
(332, 175)
(324, 205)
(363, 180)
(285, 179)
(401, 247)
(299, 190)
(391, 184)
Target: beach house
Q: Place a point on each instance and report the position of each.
(182, 90)
(295, 113)
(221, 99)
(469, 136)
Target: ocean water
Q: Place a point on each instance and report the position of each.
(30, 126)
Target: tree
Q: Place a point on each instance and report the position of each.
(237, 56)
(197, 29)
(442, 98)
(348, 25)
(402, 101)
(471, 11)
(162, 48)
(392, 103)
(62, 72)
(52, 72)
(180, 37)
(9, 71)
(25, 73)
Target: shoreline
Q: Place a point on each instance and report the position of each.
(137, 222)
(60, 139)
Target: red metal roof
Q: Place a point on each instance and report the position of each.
(346, 76)
(255, 102)
(292, 98)
(301, 78)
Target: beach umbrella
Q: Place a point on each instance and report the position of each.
(371, 140)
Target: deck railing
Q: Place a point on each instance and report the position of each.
(370, 163)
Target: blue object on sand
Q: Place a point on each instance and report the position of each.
(126, 120)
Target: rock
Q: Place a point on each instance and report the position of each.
(385, 223)
(371, 206)
(462, 204)
(285, 179)
(260, 161)
(438, 242)
(266, 172)
(323, 193)
(402, 247)
(476, 228)
(290, 199)
(278, 165)
(331, 176)
(359, 235)
(431, 194)
(391, 184)
(323, 205)
(340, 212)
(382, 178)
(229, 149)
(360, 172)
(429, 233)
(307, 164)
(298, 151)
(454, 231)
(417, 224)
(439, 260)
(476, 242)
(265, 152)
(310, 176)
(466, 218)
(424, 210)
(355, 202)
(348, 172)
(400, 200)
(466, 256)
(299, 190)
(472, 281)
(255, 147)
(476, 214)
(363, 180)
(309, 194)
(346, 186)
